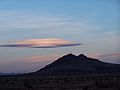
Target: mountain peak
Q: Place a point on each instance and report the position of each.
(70, 64)
(82, 56)
(70, 54)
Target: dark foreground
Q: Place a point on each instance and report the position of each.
(74, 82)
(69, 72)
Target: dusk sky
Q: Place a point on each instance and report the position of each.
(33, 33)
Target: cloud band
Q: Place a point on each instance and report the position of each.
(42, 43)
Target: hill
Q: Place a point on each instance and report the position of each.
(71, 64)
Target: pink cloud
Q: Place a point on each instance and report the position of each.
(42, 58)
(28, 63)
(42, 43)
(113, 57)
(94, 55)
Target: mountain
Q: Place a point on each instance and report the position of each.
(71, 64)
(2, 74)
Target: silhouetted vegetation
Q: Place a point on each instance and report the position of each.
(83, 82)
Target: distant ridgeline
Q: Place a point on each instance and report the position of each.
(72, 65)
(3, 74)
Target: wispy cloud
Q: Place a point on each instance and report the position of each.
(113, 57)
(27, 20)
(42, 43)
(39, 58)
(29, 63)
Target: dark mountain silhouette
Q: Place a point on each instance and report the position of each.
(71, 64)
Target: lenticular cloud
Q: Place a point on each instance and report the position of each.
(41, 43)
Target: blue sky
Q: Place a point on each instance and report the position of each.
(94, 23)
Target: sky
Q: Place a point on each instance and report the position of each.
(34, 33)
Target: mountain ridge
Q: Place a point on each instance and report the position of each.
(81, 64)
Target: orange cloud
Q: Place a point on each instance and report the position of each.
(42, 43)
